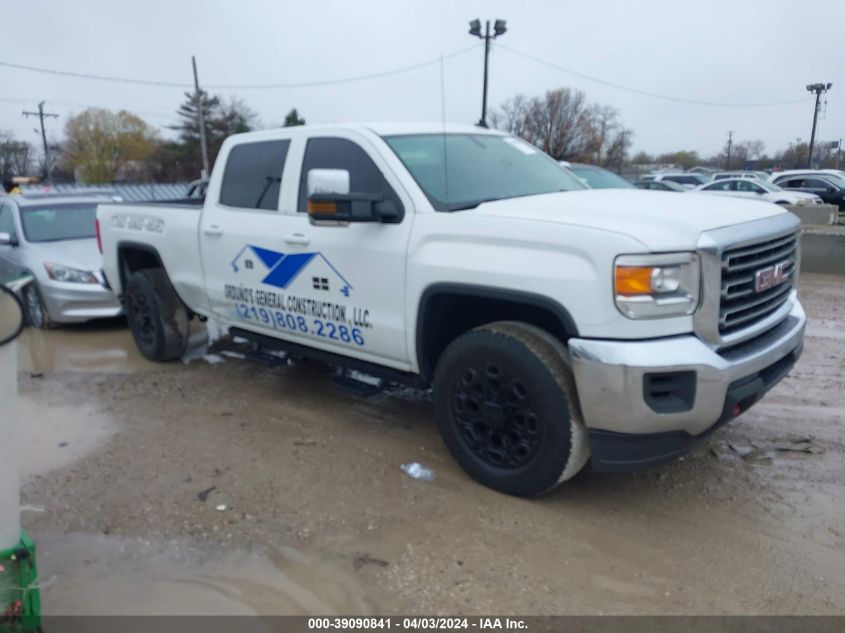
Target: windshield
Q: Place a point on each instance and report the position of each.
(460, 171)
(768, 186)
(52, 223)
(598, 178)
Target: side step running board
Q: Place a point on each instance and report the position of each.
(358, 383)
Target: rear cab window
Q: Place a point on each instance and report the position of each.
(253, 175)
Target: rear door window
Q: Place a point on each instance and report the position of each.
(253, 175)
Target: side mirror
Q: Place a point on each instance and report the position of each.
(6, 239)
(329, 200)
(11, 315)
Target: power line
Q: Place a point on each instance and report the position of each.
(646, 93)
(76, 104)
(301, 84)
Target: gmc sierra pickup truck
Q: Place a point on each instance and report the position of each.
(556, 325)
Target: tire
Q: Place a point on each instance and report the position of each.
(157, 317)
(37, 314)
(507, 409)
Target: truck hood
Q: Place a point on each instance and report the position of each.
(661, 220)
(81, 254)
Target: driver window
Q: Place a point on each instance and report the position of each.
(341, 153)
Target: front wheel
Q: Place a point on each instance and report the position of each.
(156, 316)
(36, 310)
(507, 408)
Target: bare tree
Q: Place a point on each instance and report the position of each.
(617, 148)
(748, 150)
(512, 116)
(555, 123)
(16, 157)
(564, 125)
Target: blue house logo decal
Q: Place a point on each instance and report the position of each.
(283, 270)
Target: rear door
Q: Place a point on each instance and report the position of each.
(241, 234)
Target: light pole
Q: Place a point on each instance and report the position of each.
(499, 28)
(819, 89)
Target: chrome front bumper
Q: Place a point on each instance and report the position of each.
(610, 376)
(74, 303)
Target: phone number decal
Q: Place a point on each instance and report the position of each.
(286, 321)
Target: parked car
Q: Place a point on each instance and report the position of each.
(777, 175)
(688, 180)
(721, 175)
(758, 189)
(660, 185)
(53, 238)
(555, 324)
(197, 188)
(827, 187)
(597, 177)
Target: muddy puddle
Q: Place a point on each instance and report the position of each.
(56, 430)
(85, 574)
(102, 346)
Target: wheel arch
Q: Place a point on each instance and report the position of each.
(135, 256)
(447, 310)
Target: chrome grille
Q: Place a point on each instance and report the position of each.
(741, 305)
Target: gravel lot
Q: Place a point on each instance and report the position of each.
(234, 488)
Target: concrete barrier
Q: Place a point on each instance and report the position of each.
(820, 214)
(823, 250)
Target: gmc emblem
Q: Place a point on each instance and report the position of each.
(770, 276)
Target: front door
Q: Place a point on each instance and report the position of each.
(345, 284)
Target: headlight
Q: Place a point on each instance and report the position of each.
(58, 272)
(655, 286)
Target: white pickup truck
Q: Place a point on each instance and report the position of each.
(556, 325)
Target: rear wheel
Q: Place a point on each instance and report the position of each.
(36, 310)
(157, 317)
(507, 408)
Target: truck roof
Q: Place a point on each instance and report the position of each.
(382, 128)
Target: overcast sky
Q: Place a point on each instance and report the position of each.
(749, 51)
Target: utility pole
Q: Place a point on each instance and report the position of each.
(47, 172)
(838, 153)
(200, 120)
(730, 145)
(499, 28)
(818, 89)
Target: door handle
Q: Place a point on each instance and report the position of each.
(213, 230)
(297, 238)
